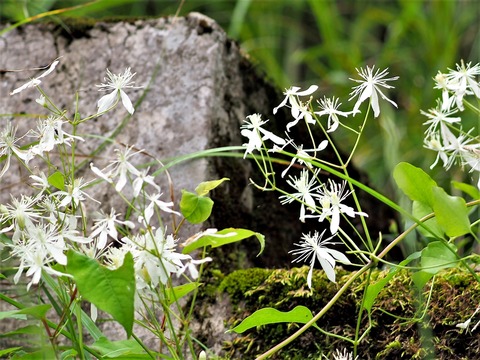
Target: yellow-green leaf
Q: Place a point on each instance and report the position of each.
(205, 187)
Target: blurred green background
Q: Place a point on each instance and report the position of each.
(303, 42)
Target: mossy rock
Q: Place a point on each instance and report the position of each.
(405, 323)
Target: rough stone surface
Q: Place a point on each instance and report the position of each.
(188, 68)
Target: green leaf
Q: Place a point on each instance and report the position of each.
(222, 237)
(414, 182)
(374, 289)
(467, 189)
(45, 353)
(57, 180)
(205, 187)
(69, 354)
(90, 326)
(37, 311)
(130, 349)
(420, 278)
(300, 314)
(177, 292)
(451, 213)
(4, 352)
(109, 290)
(12, 314)
(419, 210)
(195, 208)
(29, 329)
(437, 256)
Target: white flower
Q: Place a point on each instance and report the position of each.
(49, 206)
(41, 101)
(106, 226)
(331, 202)
(41, 182)
(192, 269)
(252, 129)
(369, 88)
(329, 107)
(304, 194)
(471, 157)
(141, 179)
(315, 247)
(459, 147)
(462, 81)
(439, 118)
(50, 133)
(114, 256)
(21, 213)
(155, 257)
(343, 355)
(433, 142)
(466, 324)
(35, 81)
(74, 193)
(302, 112)
(302, 154)
(35, 259)
(447, 99)
(118, 168)
(291, 96)
(150, 209)
(8, 148)
(38, 247)
(116, 83)
(49, 238)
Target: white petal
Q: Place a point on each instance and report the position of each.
(100, 174)
(309, 91)
(339, 256)
(310, 274)
(374, 102)
(335, 221)
(271, 136)
(322, 145)
(292, 123)
(282, 104)
(126, 102)
(107, 101)
(23, 87)
(329, 270)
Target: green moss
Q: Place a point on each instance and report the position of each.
(404, 325)
(239, 282)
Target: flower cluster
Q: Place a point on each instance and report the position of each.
(444, 133)
(318, 199)
(46, 226)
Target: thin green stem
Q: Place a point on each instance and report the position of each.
(360, 313)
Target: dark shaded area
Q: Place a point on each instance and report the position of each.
(240, 204)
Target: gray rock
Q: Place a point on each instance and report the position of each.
(193, 97)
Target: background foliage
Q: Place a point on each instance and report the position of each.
(303, 42)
